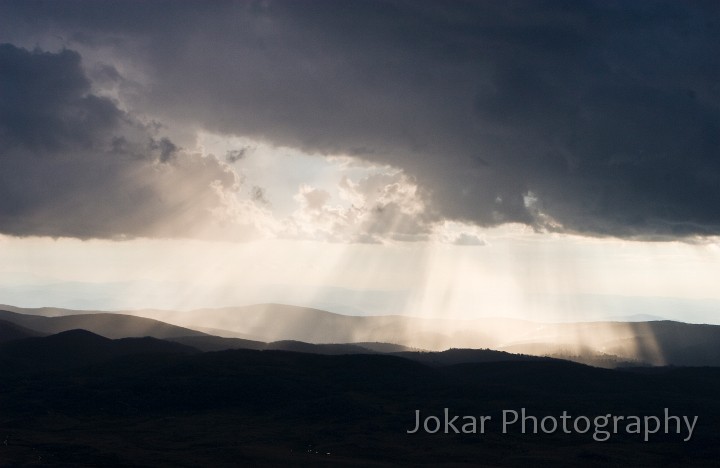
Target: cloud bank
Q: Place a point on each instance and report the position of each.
(598, 118)
(75, 165)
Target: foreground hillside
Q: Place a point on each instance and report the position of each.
(140, 402)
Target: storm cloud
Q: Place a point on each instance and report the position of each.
(599, 118)
(73, 164)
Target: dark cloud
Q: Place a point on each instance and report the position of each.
(45, 103)
(605, 114)
(166, 149)
(73, 164)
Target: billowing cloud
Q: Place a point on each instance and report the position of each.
(378, 208)
(593, 117)
(73, 164)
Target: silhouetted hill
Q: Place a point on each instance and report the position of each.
(462, 356)
(10, 331)
(76, 348)
(107, 325)
(332, 348)
(279, 408)
(606, 344)
(217, 343)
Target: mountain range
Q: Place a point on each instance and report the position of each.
(115, 389)
(275, 326)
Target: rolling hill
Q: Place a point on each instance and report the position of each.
(604, 344)
(109, 325)
(10, 331)
(78, 348)
(76, 398)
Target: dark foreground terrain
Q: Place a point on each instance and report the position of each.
(77, 399)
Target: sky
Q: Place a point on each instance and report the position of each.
(547, 160)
